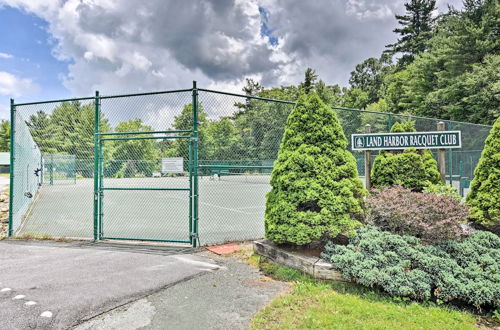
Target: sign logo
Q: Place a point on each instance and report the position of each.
(359, 142)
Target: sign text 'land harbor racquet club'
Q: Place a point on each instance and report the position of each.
(418, 140)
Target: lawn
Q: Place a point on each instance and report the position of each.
(326, 305)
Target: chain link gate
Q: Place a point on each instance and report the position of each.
(175, 222)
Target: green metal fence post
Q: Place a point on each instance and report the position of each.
(96, 165)
(41, 169)
(190, 170)
(101, 192)
(460, 174)
(390, 121)
(450, 157)
(51, 170)
(195, 165)
(12, 160)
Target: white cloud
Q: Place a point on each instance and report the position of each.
(5, 55)
(11, 85)
(124, 46)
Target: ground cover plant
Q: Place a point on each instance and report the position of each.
(466, 271)
(484, 197)
(311, 304)
(315, 184)
(410, 168)
(425, 215)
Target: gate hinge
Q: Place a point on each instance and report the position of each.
(194, 235)
(194, 139)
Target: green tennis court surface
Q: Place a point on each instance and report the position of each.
(230, 209)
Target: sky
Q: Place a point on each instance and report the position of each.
(53, 49)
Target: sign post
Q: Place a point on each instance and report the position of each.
(368, 160)
(441, 155)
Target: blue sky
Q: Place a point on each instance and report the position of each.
(27, 41)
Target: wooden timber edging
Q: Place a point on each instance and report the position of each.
(313, 266)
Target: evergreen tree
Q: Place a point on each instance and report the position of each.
(310, 78)
(484, 197)
(315, 185)
(457, 78)
(5, 136)
(410, 168)
(415, 32)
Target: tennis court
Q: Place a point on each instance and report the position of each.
(141, 166)
(231, 208)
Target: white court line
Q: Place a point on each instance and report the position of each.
(215, 206)
(251, 207)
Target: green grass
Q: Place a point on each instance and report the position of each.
(334, 305)
(40, 237)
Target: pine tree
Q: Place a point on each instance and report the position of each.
(4, 136)
(310, 78)
(484, 197)
(410, 168)
(315, 184)
(416, 30)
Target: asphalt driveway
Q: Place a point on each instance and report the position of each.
(58, 285)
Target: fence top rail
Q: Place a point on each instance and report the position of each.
(55, 101)
(246, 96)
(145, 132)
(242, 96)
(146, 93)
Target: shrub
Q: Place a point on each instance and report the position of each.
(315, 184)
(484, 197)
(466, 271)
(410, 168)
(442, 190)
(424, 215)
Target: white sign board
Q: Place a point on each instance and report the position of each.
(172, 165)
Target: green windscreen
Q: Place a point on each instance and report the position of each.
(26, 172)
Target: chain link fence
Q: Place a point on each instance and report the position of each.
(140, 167)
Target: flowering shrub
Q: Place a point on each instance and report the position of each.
(466, 271)
(424, 215)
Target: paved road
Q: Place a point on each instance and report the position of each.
(56, 285)
(225, 299)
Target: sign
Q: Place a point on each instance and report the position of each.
(417, 140)
(172, 165)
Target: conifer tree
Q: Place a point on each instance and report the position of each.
(410, 168)
(484, 197)
(315, 184)
(415, 32)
